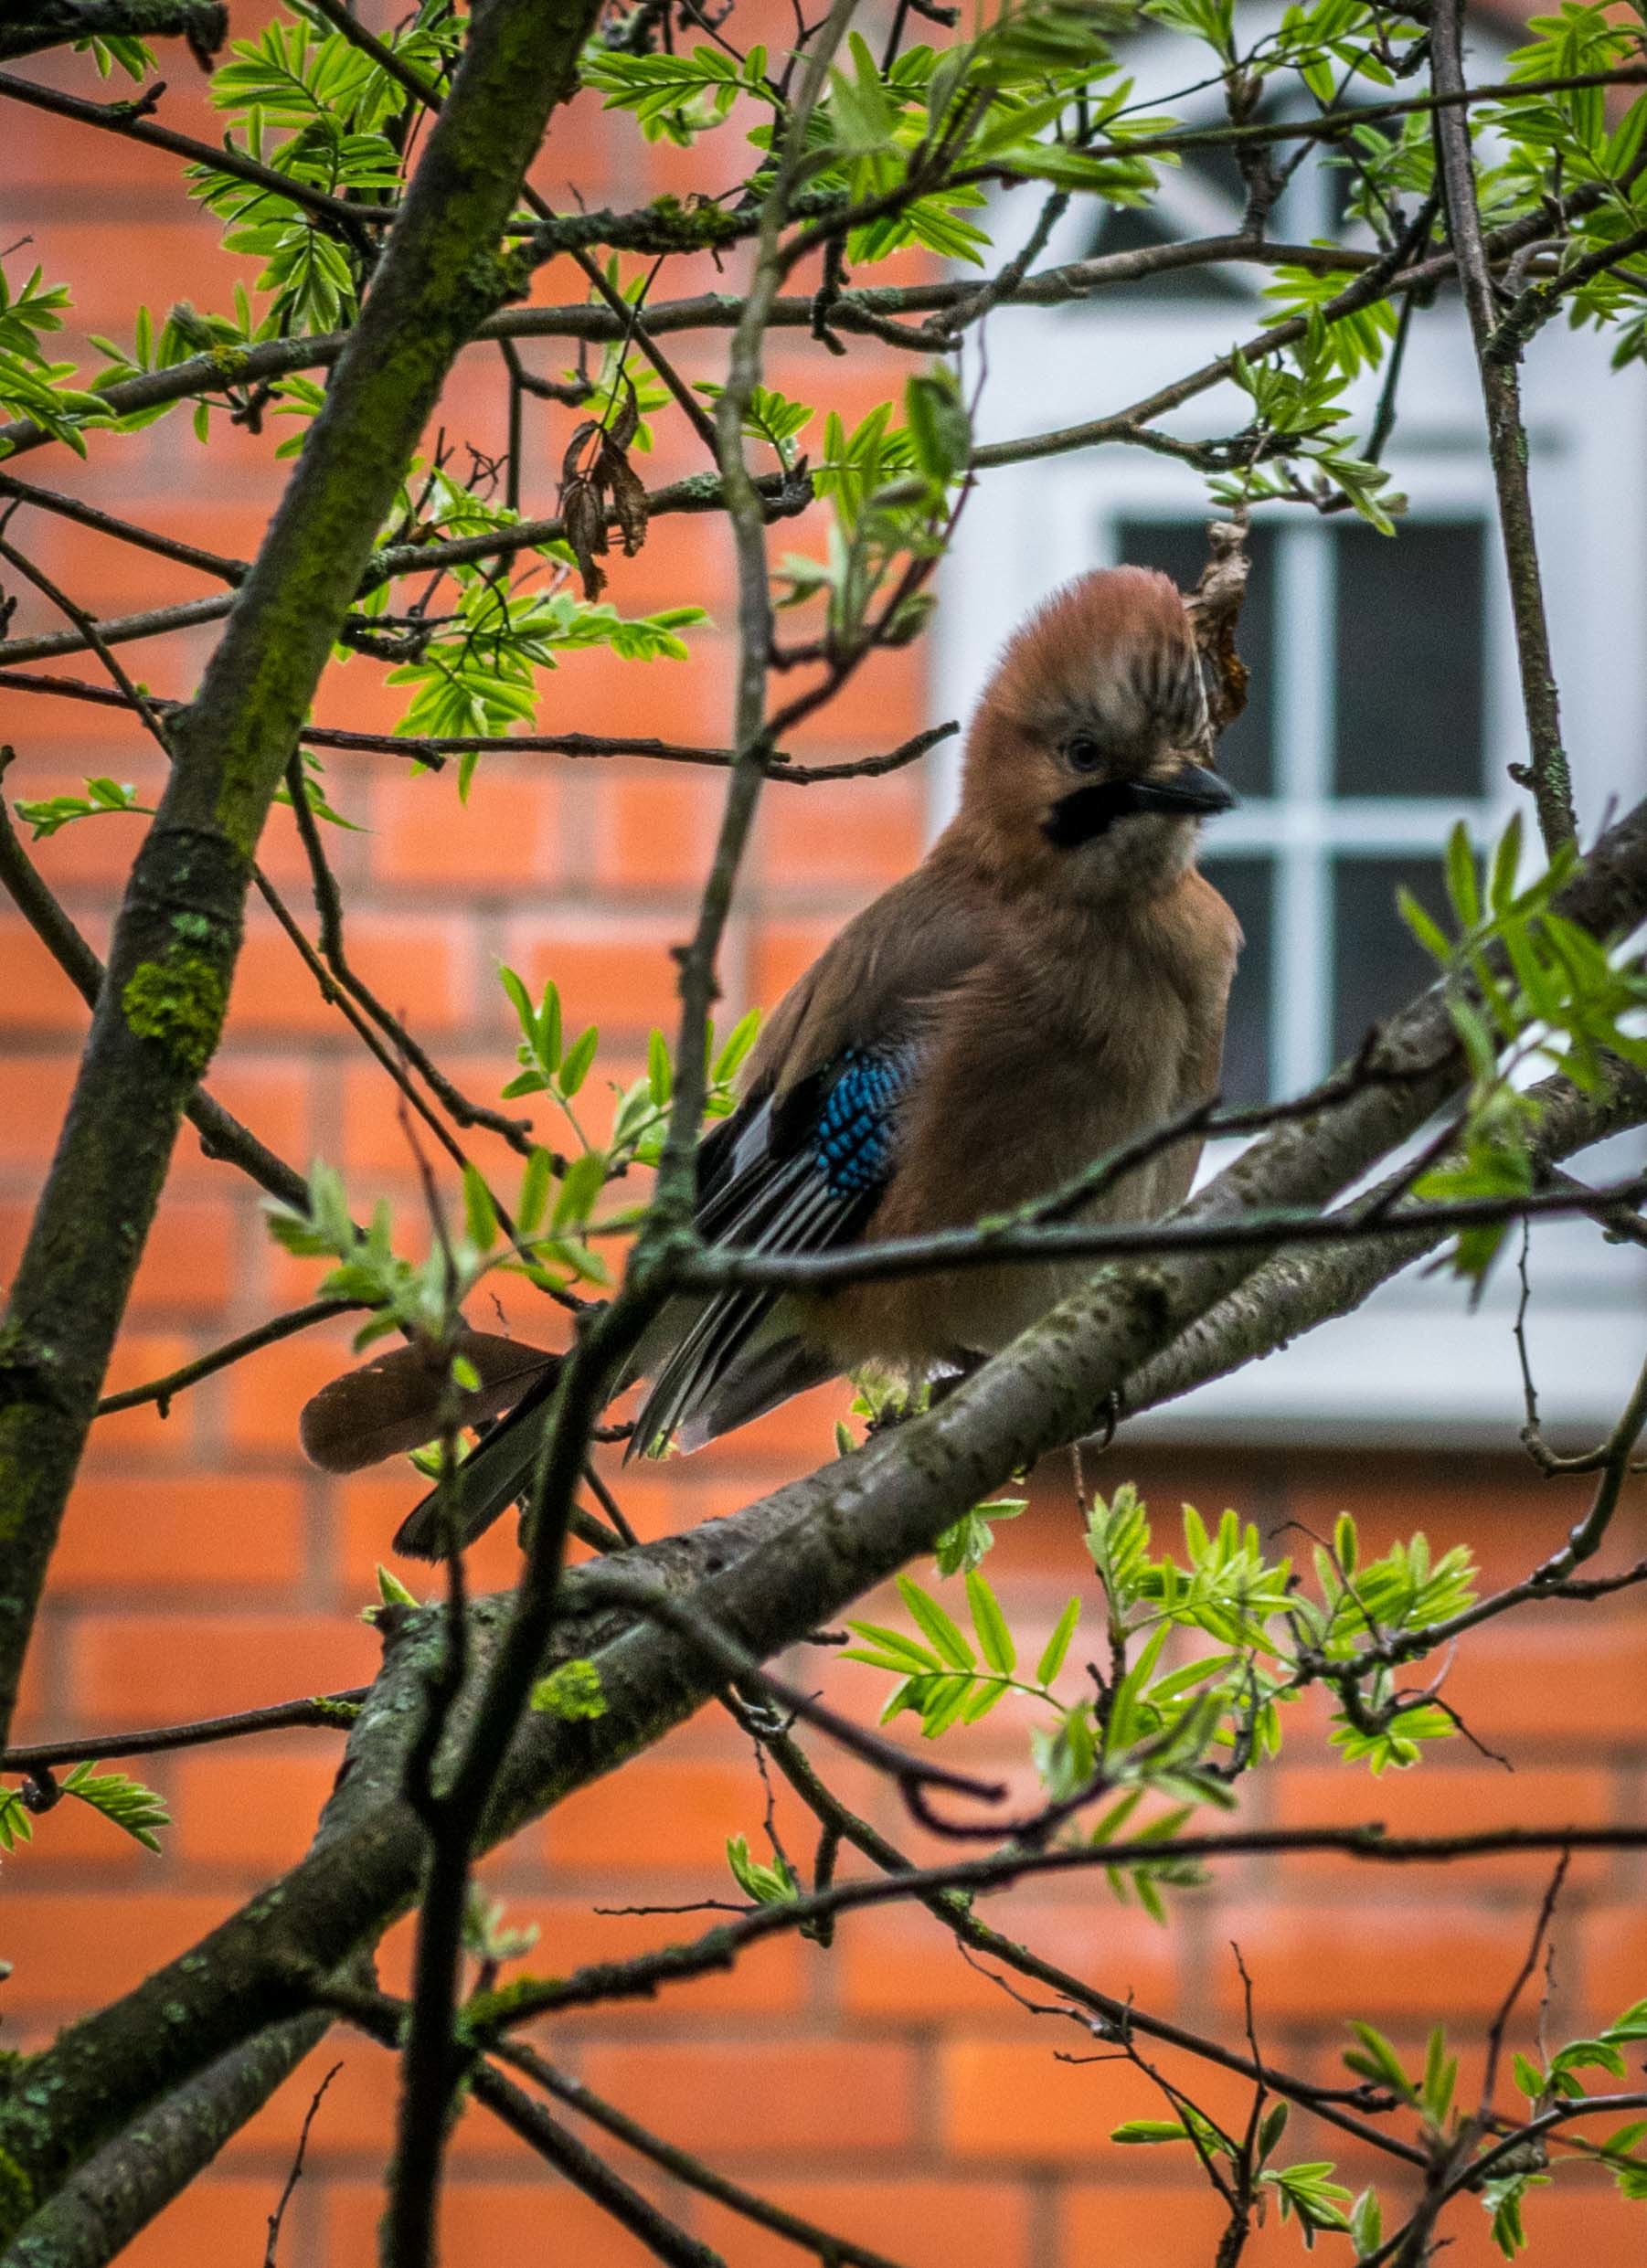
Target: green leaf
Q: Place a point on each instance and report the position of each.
(585, 1178)
(943, 1634)
(1378, 2061)
(1441, 2076)
(520, 999)
(766, 1885)
(1058, 1645)
(1366, 2224)
(739, 1041)
(1462, 886)
(660, 1073)
(45, 817)
(891, 1650)
(547, 1030)
(391, 1591)
(966, 1545)
(1506, 863)
(1271, 2128)
(126, 1804)
(1149, 2130)
(580, 1056)
(994, 1636)
(534, 1191)
(480, 1214)
(1428, 933)
(1631, 2025)
(938, 424)
(944, 1704)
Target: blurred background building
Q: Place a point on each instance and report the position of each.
(886, 2087)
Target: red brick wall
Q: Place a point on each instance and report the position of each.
(886, 2087)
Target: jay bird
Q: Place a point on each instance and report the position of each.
(1049, 982)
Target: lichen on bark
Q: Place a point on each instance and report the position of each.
(178, 1002)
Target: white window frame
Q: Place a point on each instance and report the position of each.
(1414, 1364)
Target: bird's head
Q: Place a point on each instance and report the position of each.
(1088, 763)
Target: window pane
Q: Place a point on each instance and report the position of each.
(1178, 547)
(1250, 885)
(1377, 963)
(1412, 649)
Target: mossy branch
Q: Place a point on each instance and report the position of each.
(178, 934)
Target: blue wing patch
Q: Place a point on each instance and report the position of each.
(802, 1177)
(853, 1140)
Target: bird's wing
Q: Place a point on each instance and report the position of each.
(803, 1174)
(802, 1165)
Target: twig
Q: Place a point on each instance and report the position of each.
(1614, 1458)
(697, 416)
(226, 570)
(221, 1134)
(716, 1949)
(948, 1248)
(781, 496)
(859, 309)
(328, 901)
(344, 217)
(88, 630)
(432, 750)
(392, 1060)
(1550, 777)
(1534, 306)
(642, 1598)
(828, 2246)
(406, 75)
(295, 2175)
(384, 2019)
(588, 2172)
(32, 26)
(332, 1712)
(1518, 1984)
(268, 1334)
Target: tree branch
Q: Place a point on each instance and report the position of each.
(331, 1711)
(33, 25)
(1550, 777)
(98, 2212)
(221, 1133)
(1260, 1230)
(1298, 1291)
(177, 939)
(340, 215)
(432, 749)
(268, 1334)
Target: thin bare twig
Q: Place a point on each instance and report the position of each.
(268, 1334)
(296, 2175)
(1548, 776)
(332, 1712)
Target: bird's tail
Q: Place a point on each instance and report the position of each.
(731, 1368)
(496, 1472)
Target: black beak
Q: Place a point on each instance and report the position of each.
(1086, 813)
(1192, 791)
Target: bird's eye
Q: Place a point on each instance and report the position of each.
(1083, 753)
